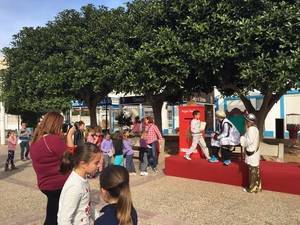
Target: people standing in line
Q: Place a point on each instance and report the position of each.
(24, 137)
(74, 201)
(144, 152)
(229, 137)
(79, 133)
(197, 128)
(118, 146)
(107, 149)
(128, 153)
(153, 135)
(46, 151)
(250, 141)
(11, 145)
(115, 190)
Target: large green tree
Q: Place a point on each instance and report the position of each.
(28, 89)
(157, 68)
(76, 56)
(242, 46)
(90, 46)
(252, 45)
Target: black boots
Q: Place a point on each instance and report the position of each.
(13, 167)
(6, 167)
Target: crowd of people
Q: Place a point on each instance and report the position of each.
(63, 161)
(223, 142)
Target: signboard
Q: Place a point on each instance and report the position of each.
(133, 100)
(82, 104)
(185, 118)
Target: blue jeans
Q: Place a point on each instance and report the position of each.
(153, 155)
(24, 145)
(144, 159)
(129, 164)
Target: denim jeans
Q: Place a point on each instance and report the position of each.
(144, 159)
(107, 160)
(153, 155)
(24, 149)
(129, 164)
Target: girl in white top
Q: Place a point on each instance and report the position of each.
(250, 141)
(74, 201)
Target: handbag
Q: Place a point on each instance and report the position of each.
(111, 152)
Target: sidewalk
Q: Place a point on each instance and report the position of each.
(159, 200)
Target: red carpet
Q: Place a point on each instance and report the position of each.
(281, 177)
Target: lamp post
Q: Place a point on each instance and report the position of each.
(106, 108)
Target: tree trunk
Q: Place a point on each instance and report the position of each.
(92, 105)
(157, 103)
(269, 100)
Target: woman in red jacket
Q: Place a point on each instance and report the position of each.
(47, 148)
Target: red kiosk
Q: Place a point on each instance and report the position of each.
(185, 117)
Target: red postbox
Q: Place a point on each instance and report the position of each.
(185, 117)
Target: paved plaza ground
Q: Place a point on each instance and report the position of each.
(159, 200)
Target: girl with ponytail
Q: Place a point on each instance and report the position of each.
(114, 184)
(74, 201)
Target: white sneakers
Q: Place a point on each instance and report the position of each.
(143, 173)
(187, 157)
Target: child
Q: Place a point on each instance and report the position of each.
(114, 183)
(251, 143)
(144, 150)
(197, 130)
(12, 143)
(24, 137)
(118, 146)
(128, 153)
(228, 137)
(107, 148)
(74, 201)
(99, 136)
(91, 137)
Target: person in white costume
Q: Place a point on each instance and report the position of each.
(250, 141)
(197, 127)
(228, 137)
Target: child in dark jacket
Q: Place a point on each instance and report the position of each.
(115, 190)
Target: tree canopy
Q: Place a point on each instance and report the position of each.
(163, 49)
(247, 46)
(76, 56)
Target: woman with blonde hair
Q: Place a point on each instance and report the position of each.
(47, 148)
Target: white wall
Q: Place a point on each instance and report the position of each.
(271, 118)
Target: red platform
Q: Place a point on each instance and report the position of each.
(281, 177)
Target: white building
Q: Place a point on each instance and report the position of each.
(288, 103)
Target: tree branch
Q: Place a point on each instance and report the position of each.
(247, 103)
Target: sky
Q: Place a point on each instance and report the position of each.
(16, 14)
